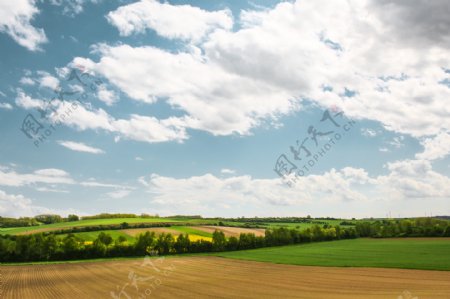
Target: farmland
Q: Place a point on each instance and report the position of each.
(214, 277)
(426, 254)
(80, 223)
(199, 262)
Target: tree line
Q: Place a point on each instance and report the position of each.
(41, 247)
(417, 227)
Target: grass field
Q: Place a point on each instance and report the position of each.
(191, 231)
(213, 277)
(427, 254)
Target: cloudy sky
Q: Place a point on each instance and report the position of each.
(197, 107)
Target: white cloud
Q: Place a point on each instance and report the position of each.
(80, 147)
(119, 194)
(435, 148)
(405, 181)
(45, 176)
(84, 117)
(397, 142)
(93, 183)
(150, 129)
(227, 171)
(138, 159)
(6, 106)
(18, 206)
(106, 96)
(215, 100)
(26, 81)
(15, 20)
(47, 80)
(171, 21)
(368, 132)
(72, 7)
(25, 101)
(232, 81)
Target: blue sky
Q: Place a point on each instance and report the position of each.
(187, 105)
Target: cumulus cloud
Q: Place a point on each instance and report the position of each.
(80, 147)
(435, 148)
(47, 80)
(107, 96)
(18, 206)
(15, 20)
(25, 101)
(85, 117)
(406, 180)
(232, 81)
(171, 21)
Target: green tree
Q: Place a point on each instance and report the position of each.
(72, 217)
(182, 245)
(105, 238)
(218, 241)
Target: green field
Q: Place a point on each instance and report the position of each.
(424, 254)
(90, 222)
(191, 231)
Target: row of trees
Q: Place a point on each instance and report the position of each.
(119, 215)
(37, 220)
(417, 227)
(20, 222)
(40, 247)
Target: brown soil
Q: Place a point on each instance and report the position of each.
(231, 231)
(213, 277)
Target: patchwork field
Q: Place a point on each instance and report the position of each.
(214, 277)
(232, 231)
(90, 222)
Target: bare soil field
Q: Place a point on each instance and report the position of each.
(39, 230)
(213, 277)
(231, 231)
